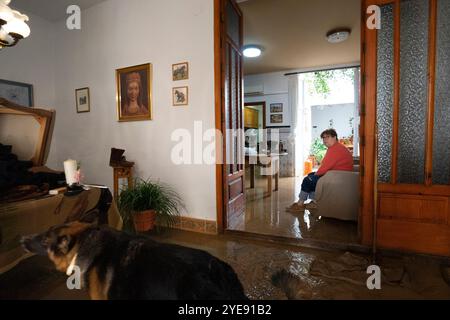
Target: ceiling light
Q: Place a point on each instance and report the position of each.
(338, 35)
(12, 25)
(252, 51)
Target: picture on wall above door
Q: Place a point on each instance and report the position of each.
(180, 96)
(276, 107)
(276, 118)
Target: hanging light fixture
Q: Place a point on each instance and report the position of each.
(12, 25)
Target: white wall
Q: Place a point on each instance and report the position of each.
(275, 88)
(340, 113)
(118, 34)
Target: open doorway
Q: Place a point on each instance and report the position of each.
(296, 147)
(325, 99)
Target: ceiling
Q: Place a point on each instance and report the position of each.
(52, 10)
(293, 33)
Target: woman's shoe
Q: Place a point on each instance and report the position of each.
(296, 207)
(311, 206)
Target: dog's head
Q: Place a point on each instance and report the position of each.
(58, 242)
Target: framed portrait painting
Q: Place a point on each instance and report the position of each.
(180, 96)
(17, 92)
(83, 100)
(134, 93)
(180, 71)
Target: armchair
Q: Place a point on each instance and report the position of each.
(337, 195)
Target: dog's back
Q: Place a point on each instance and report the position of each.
(136, 267)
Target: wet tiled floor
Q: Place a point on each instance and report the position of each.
(256, 262)
(266, 214)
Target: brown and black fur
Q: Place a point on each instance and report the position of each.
(117, 265)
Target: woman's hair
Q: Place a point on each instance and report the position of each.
(329, 132)
(134, 77)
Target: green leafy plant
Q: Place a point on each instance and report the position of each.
(318, 149)
(147, 195)
(320, 80)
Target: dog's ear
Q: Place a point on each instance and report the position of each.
(64, 243)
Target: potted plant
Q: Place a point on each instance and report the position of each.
(147, 203)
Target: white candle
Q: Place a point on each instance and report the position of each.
(70, 169)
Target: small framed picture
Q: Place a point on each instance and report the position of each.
(276, 108)
(180, 71)
(17, 92)
(82, 97)
(180, 96)
(276, 118)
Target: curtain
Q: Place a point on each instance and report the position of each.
(301, 130)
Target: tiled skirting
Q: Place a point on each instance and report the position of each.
(197, 225)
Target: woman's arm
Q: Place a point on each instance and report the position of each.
(328, 162)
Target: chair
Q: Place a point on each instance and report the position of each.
(337, 195)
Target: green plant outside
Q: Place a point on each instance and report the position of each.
(147, 195)
(318, 149)
(320, 80)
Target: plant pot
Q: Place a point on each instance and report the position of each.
(144, 220)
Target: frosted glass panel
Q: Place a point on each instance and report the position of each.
(413, 90)
(385, 93)
(441, 137)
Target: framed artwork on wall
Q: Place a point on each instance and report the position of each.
(180, 96)
(83, 100)
(276, 108)
(180, 71)
(134, 93)
(17, 92)
(276, 118)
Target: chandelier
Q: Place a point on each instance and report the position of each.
(12, 25)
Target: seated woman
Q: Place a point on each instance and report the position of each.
(338, 157)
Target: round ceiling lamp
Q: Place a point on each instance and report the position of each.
(338, 35)
(252, 51)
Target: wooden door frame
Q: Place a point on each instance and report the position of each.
(219, 117)
(365, 224)
(219, 81)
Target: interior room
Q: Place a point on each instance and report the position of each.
(133, 133)
(301, 93)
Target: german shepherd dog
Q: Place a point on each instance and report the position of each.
(117, 265)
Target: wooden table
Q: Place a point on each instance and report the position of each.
(270, 167)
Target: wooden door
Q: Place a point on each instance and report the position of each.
(251, 118)
(232, 111)
(406, 126)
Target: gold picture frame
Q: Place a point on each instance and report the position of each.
(180, 71)
(276, 118)
(180, 96)
(83, 100)
(134, 93)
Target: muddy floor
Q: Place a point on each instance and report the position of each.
(268, 272)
